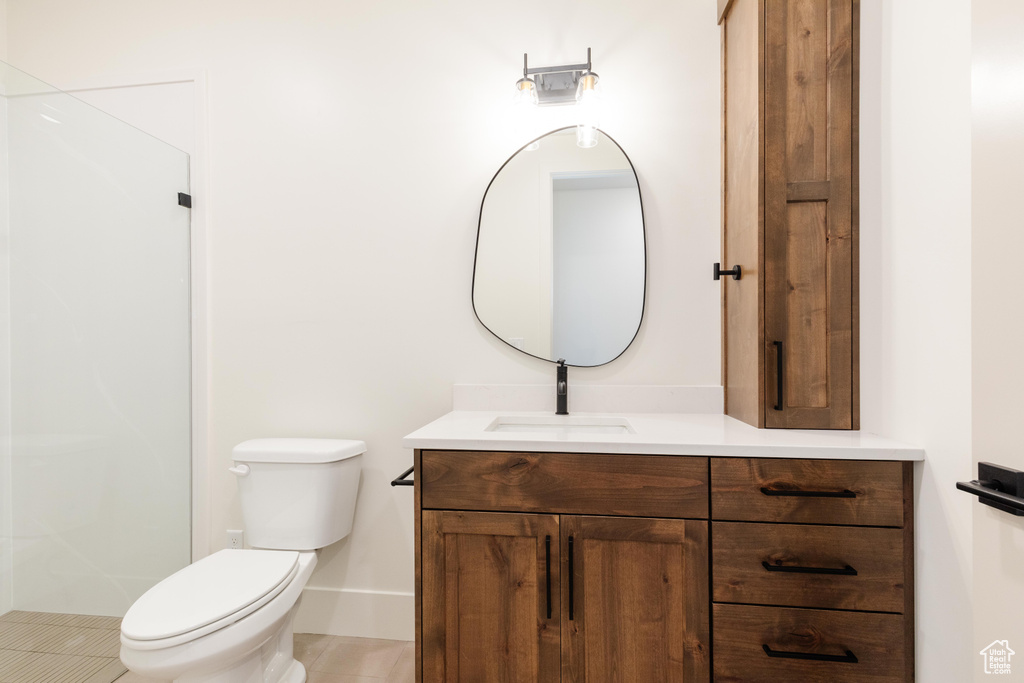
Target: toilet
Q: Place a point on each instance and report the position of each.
(228, 617)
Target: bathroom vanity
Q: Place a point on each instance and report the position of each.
(660, 548)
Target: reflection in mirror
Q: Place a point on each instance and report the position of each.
(560, 257)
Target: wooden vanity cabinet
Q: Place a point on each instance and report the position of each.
(790, 212)
(548, 567)
(575, 590)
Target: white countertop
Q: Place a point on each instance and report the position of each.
(657, 434)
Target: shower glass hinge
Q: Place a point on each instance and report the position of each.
(185, 200)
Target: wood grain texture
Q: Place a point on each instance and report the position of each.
(641, 610)
(743, 211)
(485, 598)
(741, 630)
(736, 494)
(855, 220)
(876, 554)
(809, 281)
(432, 599)
(805, 132)
(806, 347)
(808, 191)
(634, 485)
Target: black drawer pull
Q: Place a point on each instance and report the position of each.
(848, 658)
(845, 571)
(845, 493)
(778, 376)
(547, 570)
(572, 572)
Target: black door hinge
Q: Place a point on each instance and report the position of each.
(185, 200)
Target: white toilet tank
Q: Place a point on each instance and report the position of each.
(297, 494)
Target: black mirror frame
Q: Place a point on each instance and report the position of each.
(643, 228)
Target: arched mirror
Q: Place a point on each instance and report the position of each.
(561, 263)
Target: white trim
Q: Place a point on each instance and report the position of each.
(199, 189)
(360, 613)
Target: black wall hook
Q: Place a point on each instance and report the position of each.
(734, 271)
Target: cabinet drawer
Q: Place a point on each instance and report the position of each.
(808, 566)
(570, 483)
(834, 640)
(810, 491)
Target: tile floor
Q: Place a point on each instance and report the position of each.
(340, 659)
(65, 648)
(38, 647)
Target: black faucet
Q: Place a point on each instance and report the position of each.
(562, 388)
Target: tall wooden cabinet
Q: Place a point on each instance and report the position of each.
(790, 213)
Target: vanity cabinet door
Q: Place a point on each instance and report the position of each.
(635, 600)
(809, 214)
(490, 602)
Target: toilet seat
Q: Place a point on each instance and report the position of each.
(208, 595)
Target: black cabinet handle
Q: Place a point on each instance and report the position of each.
(572, 577)
(401, 480)
(845, 571)
(848, 658)
(845, 493)
(778, 375)
(547, 570)
(734, 271)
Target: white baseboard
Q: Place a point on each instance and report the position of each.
(364, 614)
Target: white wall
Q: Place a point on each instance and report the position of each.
(997, 300)
(598, 287)
(915, 291)
(3, 30)
(340, 307)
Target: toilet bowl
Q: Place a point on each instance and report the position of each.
(228, 617)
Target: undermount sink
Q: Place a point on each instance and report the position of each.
(561, 425)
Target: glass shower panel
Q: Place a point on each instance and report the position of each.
(100, 455)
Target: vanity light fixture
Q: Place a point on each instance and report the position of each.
(566, 84)
(588, 98)
(526, 91)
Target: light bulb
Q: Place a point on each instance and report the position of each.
(588, 98)
(526, 92)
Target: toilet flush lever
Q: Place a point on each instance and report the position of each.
(241, 470)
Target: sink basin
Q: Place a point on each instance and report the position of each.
(561, 425)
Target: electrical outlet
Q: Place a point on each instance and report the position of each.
(236, 539)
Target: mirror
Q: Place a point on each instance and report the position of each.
(561, 262)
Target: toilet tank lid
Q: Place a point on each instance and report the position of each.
(297, 450)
